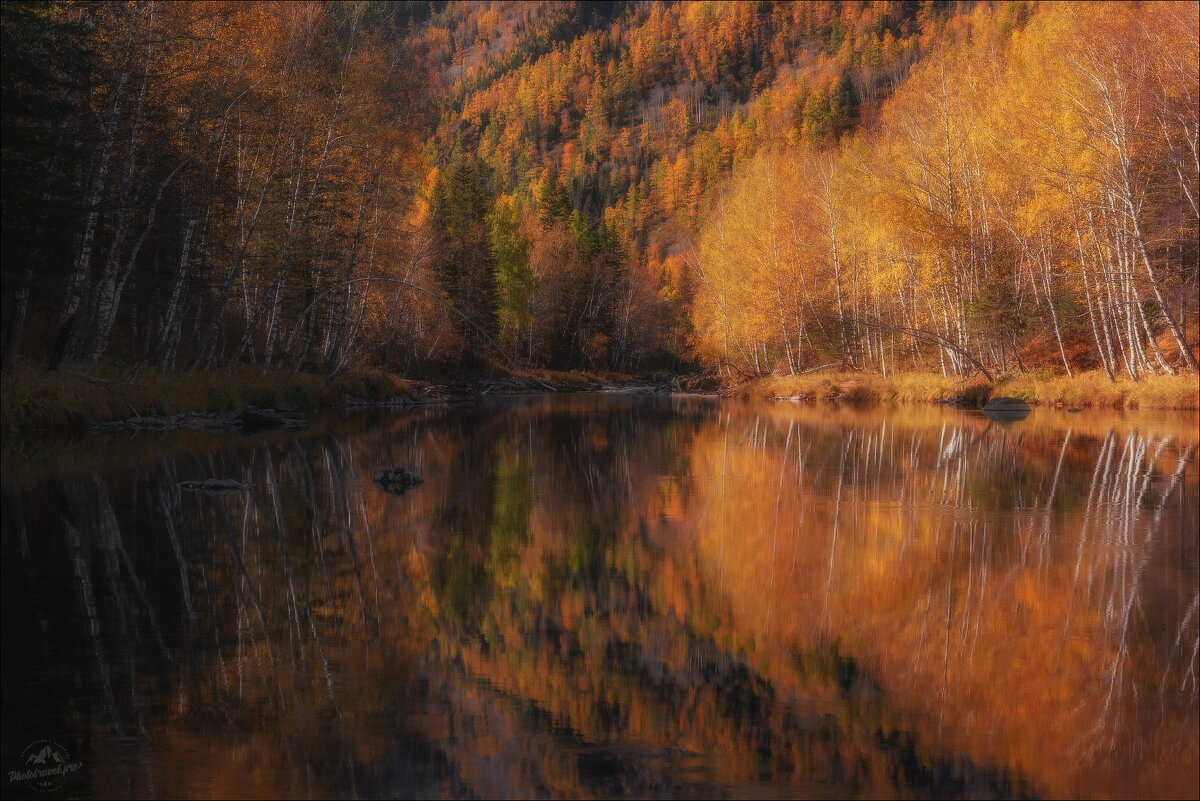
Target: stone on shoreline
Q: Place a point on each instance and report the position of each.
(1006, 410)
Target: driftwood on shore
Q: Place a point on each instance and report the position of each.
(350, 402)
(214, 486)
(472, 388)
(467, 390)
(244, 421)
(253, 420)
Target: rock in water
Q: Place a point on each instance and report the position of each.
(397, 479)
(1007, 410)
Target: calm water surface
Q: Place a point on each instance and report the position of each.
(604, 596)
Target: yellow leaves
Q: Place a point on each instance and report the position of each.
(993, 153)
(700, 15)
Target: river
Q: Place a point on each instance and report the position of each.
(610, 596)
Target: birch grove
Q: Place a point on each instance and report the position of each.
(1038, 188)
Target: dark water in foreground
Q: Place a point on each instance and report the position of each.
(598, 596)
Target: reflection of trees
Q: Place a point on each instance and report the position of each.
(254, 596)
(1124, 487)
(618, 596)
(598, 636)
(996, 580)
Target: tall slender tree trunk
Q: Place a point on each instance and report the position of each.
(169, 328)
(1185, 353)
(102, 158)
(20, 306)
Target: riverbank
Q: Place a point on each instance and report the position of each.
(78, 397)
(74, 398)
(1086, 390)
(34, 403)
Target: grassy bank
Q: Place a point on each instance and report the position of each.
(33, 402)
(74, 398)
(1085, 390)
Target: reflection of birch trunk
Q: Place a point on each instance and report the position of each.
(12, 506)
(346, 456)
(1083, 536)
(783, 461)
(336, 472)
(916, 658)
(1129, 587)
(723, 528)
(1047, 509)
(114, 544)
(276, 516)
(1062, 452)
(318, 523)
(837, 515)
(984, 559)
(84, 577)
(949, 613)
(366, 524)
(168, 499)
(243, 586)
(1189, 672)
(1176, 477)
(90, 501)
(1133, 541)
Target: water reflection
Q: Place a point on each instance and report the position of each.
(608, 596)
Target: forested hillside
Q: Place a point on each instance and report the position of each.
(754, 187)
(604, 132)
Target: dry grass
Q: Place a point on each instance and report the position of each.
(1094, 390)
(31, 400)
(865, 388)
(1085, 390)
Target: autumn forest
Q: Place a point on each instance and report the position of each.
(600, 399)
(752, 188)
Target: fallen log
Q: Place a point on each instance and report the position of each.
(214, 486)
